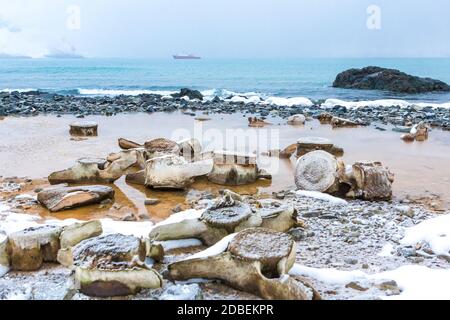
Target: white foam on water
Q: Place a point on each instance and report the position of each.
(253, 99)
(330, 103)
(435, 232)
(21, 90)
(113, 92)
(320, 196)
(289, 102)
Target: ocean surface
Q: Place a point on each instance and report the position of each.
(288, 78)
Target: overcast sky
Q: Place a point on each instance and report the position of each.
(226, 28)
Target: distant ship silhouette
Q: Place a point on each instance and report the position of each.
(186, 57)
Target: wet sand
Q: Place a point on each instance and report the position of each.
(36, 146)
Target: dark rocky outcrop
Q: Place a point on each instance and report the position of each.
(376, 78)
(191, 94)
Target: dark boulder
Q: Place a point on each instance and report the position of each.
(376, 78)
(191, 94)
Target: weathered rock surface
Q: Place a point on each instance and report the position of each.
(112, 265)
(376, 78)
(227, 215)
(174, 172)
(77, 232)
(308, 144)
(233, 169)
(62, 198)
(373, 181)
(276, 215)
(85, 129)
(136, 178)
(255, 122)
(297, 119)
(4, 255)
(97, 170)
(128, 144)
(256, 261)
(29, 248)
(318, 171)
(325, 118)
(420, 131)
(190, 149)
(337, 122)
(161, 146)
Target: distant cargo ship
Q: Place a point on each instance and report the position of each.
(186, 57)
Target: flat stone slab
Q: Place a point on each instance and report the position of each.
(260, 244)
(57, 199)
(227, 216)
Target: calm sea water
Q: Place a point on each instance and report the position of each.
(311, 78)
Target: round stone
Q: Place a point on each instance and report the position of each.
(260, 244)
(228, 216)
(316, 171)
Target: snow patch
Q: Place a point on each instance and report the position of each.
(216, 249)
(329, 275)
(177, 244)
(320, 196)
(416, 282)
(128, 228)
(386, 251)
(3, 270)
(435, 232)
(13, 222)
(289, 102)
(180, 216)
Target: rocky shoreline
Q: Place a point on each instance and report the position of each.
(339, 234)
(38, 103)
(357, 237)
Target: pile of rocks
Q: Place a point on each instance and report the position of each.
(320, 171)
(106, 265)
(34, 103)
(159, 163)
